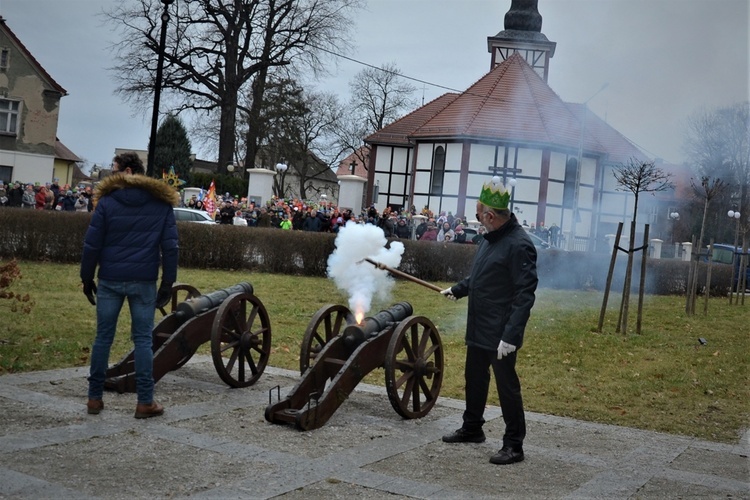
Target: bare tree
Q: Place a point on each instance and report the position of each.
(708, 190)
(297, 126)
(718, 145)
(219, 49)
(637, 176)
(379, 96)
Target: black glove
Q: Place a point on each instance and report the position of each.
(89, 290)
(164, 295)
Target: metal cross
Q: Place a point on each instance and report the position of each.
(506, 171)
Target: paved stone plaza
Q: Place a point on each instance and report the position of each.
(213, 442)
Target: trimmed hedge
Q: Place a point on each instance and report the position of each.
(58, 237)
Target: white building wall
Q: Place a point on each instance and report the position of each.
(27, 167)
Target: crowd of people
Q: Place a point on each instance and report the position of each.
(301, 215)
(50, 196)
(284, 213)
(551, 235)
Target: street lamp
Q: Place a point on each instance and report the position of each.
(732, 214)
(674, 217)
(281, 167)
(579, 166)
(157, 87)
(230, 168)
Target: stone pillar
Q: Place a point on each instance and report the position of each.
(610, 240)
(350, 192)
(259, 185)
(687, 250)
(415, 221)
(676, 250)
(656, 245)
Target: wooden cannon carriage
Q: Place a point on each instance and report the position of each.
(232, 319)
(337, 353)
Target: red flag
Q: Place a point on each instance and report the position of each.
(210, 200)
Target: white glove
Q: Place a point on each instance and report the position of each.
(448, 292)
(504, 349)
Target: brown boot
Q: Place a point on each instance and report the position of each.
(94, 406)
(153, 409)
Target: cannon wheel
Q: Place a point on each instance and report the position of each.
(241, 339)
(178, 296)
(325, 324)
(414, 367)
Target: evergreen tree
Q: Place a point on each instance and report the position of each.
(172, 148)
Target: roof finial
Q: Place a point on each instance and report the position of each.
(523, 16)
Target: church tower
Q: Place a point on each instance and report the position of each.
(523, 35)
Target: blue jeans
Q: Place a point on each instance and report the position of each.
(110, 296)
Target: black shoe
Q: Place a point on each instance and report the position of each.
(463, 436)
(507, 455)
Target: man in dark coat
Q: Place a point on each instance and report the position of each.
(15, 195)
(132, 233)
(501, 290)
(313, 222)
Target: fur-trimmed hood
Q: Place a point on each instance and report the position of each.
(118, 184)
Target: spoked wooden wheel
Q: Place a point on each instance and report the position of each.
(325, 324)
(414, 367)
(241, 339)
(180, 293)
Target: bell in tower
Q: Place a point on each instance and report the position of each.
(523, 34)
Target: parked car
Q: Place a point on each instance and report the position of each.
(539, 243)
(190, 215)
(722, 254)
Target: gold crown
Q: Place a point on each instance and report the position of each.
(494, 194)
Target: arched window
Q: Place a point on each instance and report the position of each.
(438, 171)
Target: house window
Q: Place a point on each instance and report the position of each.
(4, 58)
(9, 112)
(438, 171)
(6, 173)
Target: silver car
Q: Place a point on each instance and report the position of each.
(191, 215)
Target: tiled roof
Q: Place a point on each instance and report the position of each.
(63, 153)
(360, 169)
(510, 103)
(397, 132)
(31, 58)
(618, 147)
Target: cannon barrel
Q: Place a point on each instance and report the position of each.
(198, 305)
(355, 334)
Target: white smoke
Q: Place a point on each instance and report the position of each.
(361, 280)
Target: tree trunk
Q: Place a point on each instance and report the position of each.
(626, 287)
(611, 272)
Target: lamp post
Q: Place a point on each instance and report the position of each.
(674, 217)
(577, 185)
(512, 183)
(281, 167)
(733, 214)
(157, 87)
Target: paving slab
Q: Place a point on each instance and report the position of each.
(214, 442)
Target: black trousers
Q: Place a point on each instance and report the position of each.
(478, 362)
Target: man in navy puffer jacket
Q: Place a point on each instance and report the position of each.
(132, 233)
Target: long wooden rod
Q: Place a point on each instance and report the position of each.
(404, 275)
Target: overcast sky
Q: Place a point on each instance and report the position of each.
(663, 60)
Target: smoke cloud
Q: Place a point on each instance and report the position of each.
(361, 280)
